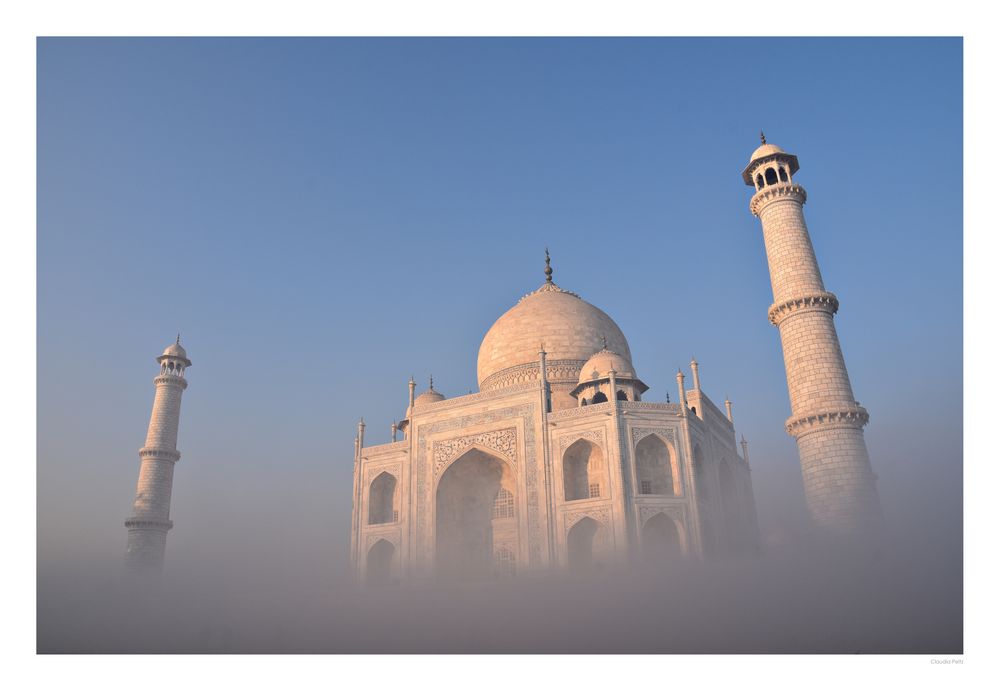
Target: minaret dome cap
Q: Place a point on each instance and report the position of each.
(765, 151)
(175, 351)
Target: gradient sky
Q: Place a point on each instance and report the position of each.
(322, 218)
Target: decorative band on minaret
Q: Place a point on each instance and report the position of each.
(150, 521)
(826, 421)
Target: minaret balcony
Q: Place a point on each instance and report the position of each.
(172, 379)
(824, 302)
(149, 524)
(161, 454)
(775, 192)
(852, 416)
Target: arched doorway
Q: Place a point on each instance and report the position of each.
(660, 539)
(583, 471)
(381, 496)
(378, 569)
(475, 514)
(653, 466)
(586, 544)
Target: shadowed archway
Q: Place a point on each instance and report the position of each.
(476, 515)
(381, 499)
(586, 545)
(378, 569)
(660, 539)
(654, 468)
(583, 471)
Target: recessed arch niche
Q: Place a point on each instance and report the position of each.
(476, 525)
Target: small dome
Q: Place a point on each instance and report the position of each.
(175, 350)
(602, 362)
(429, 396)
(765, 150)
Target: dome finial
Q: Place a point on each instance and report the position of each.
(548, 266)
(432, 382)
(178, 338)
(763, 139)
(604, 341)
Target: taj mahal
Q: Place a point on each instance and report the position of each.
(557, 462)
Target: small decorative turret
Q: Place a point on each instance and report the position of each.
(681, 395)
(769, 165)
(695, 381)
(601, 375)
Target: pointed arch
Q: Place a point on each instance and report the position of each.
(382, 505)
(661, 538)
(475, 510)
(378, 565)
(586, 544)
(442, 465)
(657, 469)
(583, 471)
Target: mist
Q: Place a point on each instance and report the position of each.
(901, 593)
(323, 218)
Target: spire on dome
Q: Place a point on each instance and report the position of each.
(549, 286)
(763, 139)
(429, 396)
(176, 351)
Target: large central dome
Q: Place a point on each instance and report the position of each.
(570, 328)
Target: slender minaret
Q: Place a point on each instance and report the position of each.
(826, 421)
(150, 521)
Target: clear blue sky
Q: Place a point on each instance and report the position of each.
(322, 218)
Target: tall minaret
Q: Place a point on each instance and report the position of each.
(826, 421)
(150, 521)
